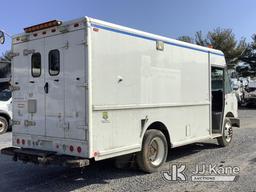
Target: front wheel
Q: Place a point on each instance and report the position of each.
(154, 151)
(3, 125)
(227, 134)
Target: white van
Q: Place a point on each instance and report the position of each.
(5, 110)
(90, 90)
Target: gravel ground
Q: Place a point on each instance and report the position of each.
(102, 176)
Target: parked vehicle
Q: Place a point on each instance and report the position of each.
(249, 95)
(88, 90)
(237, 87)
(5, 110)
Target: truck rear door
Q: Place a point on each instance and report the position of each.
(54, 86)
(29, 99)
(76, 85)
(35, 87)
(66, 85)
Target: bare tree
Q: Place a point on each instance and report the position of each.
(187, 39)
(224, 40)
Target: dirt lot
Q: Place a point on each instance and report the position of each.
(104, 177)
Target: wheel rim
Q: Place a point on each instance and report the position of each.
(2, 126)
(228, 131)
(156, 152)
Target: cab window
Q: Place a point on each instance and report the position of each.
(5, 95)
(217, 79)
(228, 88)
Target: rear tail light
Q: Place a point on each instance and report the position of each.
(18, 141)
(79, 149)
(71, 148)
(23, 142)
(96, 153)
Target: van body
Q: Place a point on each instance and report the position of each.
(91, 89)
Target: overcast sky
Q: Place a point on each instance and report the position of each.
(171, 18)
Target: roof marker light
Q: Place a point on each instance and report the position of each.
(42, 26)
(95, 29)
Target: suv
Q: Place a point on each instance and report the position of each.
(5, 110)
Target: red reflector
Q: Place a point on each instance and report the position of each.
(79, 149)
(96, 29)
(18, 141)
(71, 148)
(95, 153)
(23, 142)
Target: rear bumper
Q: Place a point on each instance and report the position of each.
(44, 157)
(250, 100)
(235, 121)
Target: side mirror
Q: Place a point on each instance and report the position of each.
(2, 37)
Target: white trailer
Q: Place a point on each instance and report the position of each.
(91, 90)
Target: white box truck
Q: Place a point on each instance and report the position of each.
(90, 90)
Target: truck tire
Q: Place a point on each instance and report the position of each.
(227, 134)
(154, 151)
(3, 125)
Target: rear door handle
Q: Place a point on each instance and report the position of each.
(46, 87)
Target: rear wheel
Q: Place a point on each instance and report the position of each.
(154, 151)
(3, 125)
(227, 134)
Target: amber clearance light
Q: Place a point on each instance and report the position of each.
(41, 26)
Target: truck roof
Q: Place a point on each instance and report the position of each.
(151, 36)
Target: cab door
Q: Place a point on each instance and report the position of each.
(54, 86)
(231, 102)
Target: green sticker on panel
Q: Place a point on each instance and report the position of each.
(105, 115)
